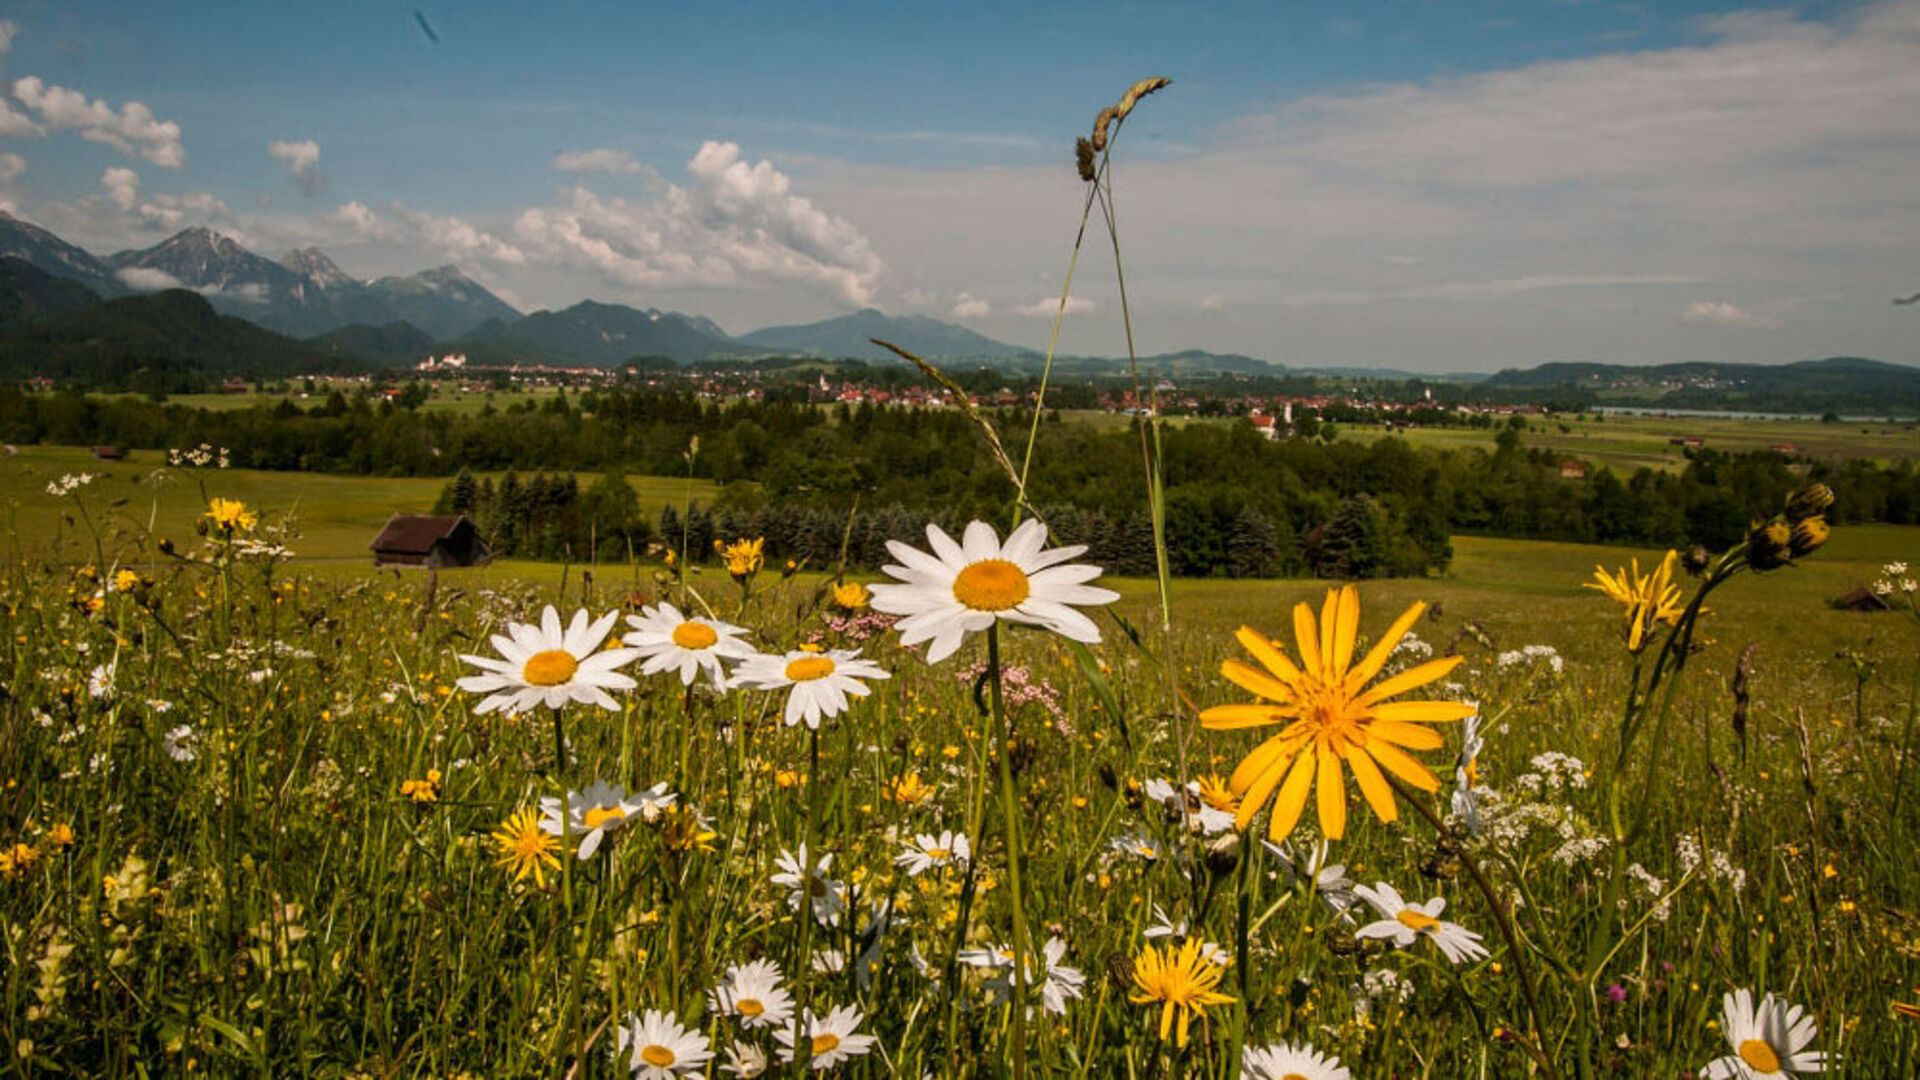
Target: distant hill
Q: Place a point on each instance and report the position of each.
(604, 334)
(31, 243)
(28, 293)
(163, 336)
(392, 344)
(1838, 383)
(847, 336)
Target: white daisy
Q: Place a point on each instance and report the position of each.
(1329, 880)
(1198, 816)
(1289, 1062)
(1138, 845)
(751, 994)
(961, 588)
(1055, 982)
(1166, 927)
(591, 814)
(179, 743)
(546, 665)
(661, 1049)
(1466, 777)
(927, 851)
(668, 641)
(745, 1060)
(1769, 1040)
(831, 1038)
(1404, 922)
(806, 880)
(821, 680)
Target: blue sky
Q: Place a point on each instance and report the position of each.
(1427, 185)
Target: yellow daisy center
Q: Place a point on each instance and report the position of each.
(823, 1044)
(1293, 1076)
(808, 668)
(991, 585)
(939, 854)
(693, 635)
(749, 1007)
(1759, 1056)
(658, 1056)
(549, 668)
(1413, 920)
(600, 815)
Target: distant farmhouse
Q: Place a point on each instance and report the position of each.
(430, 540)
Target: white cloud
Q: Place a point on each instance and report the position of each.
(599, 159)
(13, 124)
(132, 129)
(1211, 302)
(11, 166)
(147, 279)
(1724, 313)
(302, 162)
(734, 223)
(456, 239)
(1048, 306)
(122, 185)
(969, 306)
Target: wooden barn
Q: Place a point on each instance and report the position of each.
(430, 540)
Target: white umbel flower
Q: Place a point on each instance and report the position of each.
(660, 1048)
(1769, 1040)
(666, 640)
(929, 852)
(961, 588)
(600, 809)
(1286, 1061)
(819, 680)
(1403, 923)
(548, 665)
(751, 994)
(831, 1039)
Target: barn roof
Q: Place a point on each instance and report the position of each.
(416, 533)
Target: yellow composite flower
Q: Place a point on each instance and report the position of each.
(1181, 980)
(851, 596)
(1331, 717)
(744, 557)
(1648, 601)
(231, 515)
(523, 847)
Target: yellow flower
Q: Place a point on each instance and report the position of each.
(851, 596)
(744, 557)
(683, 829)
(908, 790)
(126, 581)
(1181, 980)
(1217, 793)
(422, 791)
(523, 848)
(19, 859)
(1330, 717)
(1648, 601)
(61, 835)
(230, 515)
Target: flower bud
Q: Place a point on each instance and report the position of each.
(1223, 854)
(1769, 545)
(1808, 535)
(1810, 501)
(1697, 560)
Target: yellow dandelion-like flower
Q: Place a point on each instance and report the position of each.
(744, 557)
(523, 848)
(1648, 601)
(851, 596)
(422, 791)
(1181, 980)
(231, 515)
(908, 790)
(1332, 717)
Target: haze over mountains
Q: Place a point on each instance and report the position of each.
(198, 294)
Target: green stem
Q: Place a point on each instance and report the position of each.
(1009, 810)
(1906, 748)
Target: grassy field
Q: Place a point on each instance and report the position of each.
(253, 825)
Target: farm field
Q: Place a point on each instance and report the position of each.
(256, 793)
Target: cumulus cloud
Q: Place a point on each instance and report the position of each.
(1724, 313)
(456, 239)
(969, 306)
(147, 279)
(732, 224)
(1048, 306)
(359, 221)
(122, 185)
(13, 124)
(132, 129)
(302, 162)
(11, 166)
(600, 159)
